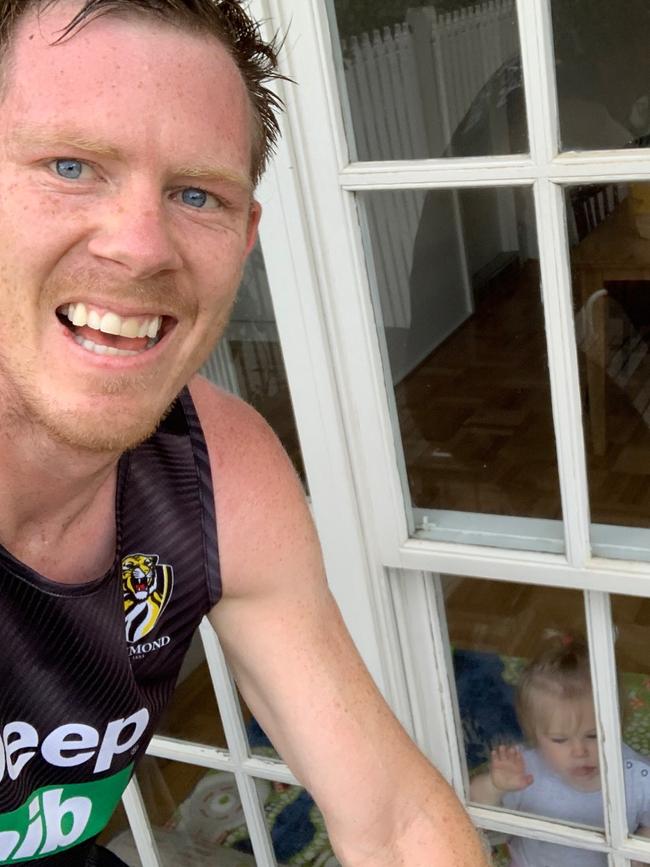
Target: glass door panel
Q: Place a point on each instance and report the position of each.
(609, 227)
(195, 814)
(423, 82)
(297, 828)
(525, 699)
(198, 820)
(601, 51)
(192, 714)
(631, 616)
(456, 283)
(248, 358)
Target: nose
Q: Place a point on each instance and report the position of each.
(579, 748)
(133, 232)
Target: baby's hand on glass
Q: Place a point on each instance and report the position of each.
(508, 769)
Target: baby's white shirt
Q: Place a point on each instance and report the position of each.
(551, 797)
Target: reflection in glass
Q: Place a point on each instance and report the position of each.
(192, 714)
(456, 278)
(610, 236)
(601, 53)
(631, 616)
(424, 82)
(248, 359)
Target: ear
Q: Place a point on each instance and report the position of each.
(253, 222)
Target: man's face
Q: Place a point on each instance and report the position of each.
(125, 219)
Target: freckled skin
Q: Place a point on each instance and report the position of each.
(123, 229)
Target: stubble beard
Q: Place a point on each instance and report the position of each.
(112, 432)
(27, 414)
(26, 408)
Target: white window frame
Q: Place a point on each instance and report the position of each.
(387, 582)
(329, 181)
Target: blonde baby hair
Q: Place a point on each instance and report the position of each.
(559, 671)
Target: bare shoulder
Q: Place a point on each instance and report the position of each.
(262, 514)
(235, 433)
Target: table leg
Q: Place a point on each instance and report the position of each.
(596, 352)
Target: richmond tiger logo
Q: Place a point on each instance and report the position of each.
(147, 586)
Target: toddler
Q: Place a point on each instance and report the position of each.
(558, 774)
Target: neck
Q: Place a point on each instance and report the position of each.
(54, 498)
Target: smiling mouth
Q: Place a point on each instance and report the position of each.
(105, 332)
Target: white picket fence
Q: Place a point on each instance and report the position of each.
(423, 73)
(408, 89)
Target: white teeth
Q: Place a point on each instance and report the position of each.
(112, 323)
(80, 316)
(98, 349)
(154, 327)
(129, 328)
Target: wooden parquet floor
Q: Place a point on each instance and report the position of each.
(477, 427)
(511, 619)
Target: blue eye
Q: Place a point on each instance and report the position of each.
(195, 198)
(70, 169)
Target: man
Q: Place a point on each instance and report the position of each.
(131, 136)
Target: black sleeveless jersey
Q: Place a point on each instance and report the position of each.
(87, 669)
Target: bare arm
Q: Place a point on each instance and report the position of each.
(300, 674)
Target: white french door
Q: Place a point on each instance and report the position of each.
(454, 245)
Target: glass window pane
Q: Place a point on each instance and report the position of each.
(455, 275)
(259, 744)
(193, 813)
(601, 53)
(631, 617)
(248, 358)
(525, 700)
(118, 825)
(197, 819)
(424, 82)
(192, 714)
(609, 227)
(297, 827)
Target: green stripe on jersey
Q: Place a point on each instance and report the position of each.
(55, 818)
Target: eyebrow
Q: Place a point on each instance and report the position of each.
(35, 135)
(214, 173)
